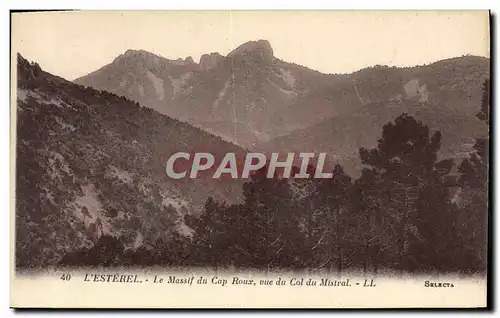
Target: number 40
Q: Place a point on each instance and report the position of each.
(66, 276)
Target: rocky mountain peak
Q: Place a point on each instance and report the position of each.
(138, 53)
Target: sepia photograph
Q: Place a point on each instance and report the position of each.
(308, 158)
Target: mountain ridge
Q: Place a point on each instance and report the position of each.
(216, 53)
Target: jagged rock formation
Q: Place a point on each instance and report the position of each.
(210, 61)
(263, 103)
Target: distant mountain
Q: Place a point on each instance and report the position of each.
(261, 102)
(90, 163)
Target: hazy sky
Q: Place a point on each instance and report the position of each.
(72, 44)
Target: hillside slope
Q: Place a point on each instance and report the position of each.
(90, 163)
(251, 97)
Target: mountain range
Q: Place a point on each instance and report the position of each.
(91, 163)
